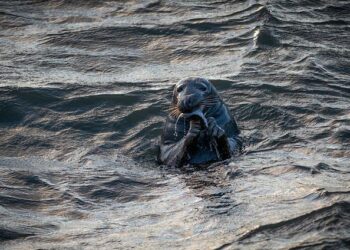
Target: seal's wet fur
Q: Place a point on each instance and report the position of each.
(199, 128)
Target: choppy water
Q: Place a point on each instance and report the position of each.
(84, 87)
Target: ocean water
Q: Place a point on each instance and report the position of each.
(84, 91)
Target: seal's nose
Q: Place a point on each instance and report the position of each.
(189, 103)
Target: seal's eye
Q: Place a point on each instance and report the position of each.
(202, 88)
(180, 88)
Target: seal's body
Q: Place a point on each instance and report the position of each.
(199, 128)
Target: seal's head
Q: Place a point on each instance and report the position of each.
(194, 96)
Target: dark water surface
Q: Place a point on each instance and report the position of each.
(84, 88)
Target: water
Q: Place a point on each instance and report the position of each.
(84, 91)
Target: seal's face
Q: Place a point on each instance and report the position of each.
(192, 94)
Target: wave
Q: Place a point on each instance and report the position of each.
(328, 219)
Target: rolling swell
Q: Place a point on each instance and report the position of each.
(325, 219)
(85, 87)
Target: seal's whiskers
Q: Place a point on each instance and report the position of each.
(174, 111)
(177, 120)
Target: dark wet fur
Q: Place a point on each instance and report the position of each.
(176, 127)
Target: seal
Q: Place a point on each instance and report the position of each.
(199, 128)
